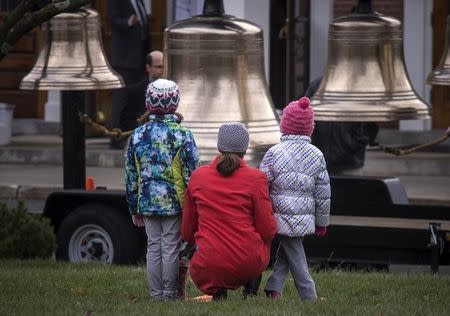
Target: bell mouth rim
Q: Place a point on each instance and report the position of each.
(384, 115)
(370, 119)
(367, 110)
(84, 85)
(439, 77)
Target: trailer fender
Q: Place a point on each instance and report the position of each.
(59, 204)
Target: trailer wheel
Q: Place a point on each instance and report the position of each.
(97, 233)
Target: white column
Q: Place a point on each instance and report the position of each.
(235, 7)
(148, 6)
(418, 35)
(52, 111)
(321, 17)
(187, 8)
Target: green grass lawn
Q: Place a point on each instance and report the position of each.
(55, 288)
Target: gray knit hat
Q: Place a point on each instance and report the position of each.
(233, 137)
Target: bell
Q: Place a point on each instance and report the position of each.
(441, 74)
(72, 56)
(72, 59)
(217, 61)
(365, 78)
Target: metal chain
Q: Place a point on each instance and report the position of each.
(401, 151)
(116, 132)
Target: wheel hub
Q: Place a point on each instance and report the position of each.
(91, 243)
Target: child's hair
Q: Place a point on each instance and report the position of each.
(228, 163)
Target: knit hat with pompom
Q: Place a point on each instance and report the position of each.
(298, 118)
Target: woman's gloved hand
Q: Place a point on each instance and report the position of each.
(320, 231)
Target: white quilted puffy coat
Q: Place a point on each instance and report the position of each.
(299, 185)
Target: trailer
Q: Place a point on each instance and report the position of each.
(371, 223)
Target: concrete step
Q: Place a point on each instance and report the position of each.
(401, 138)
(47, 150)
(415, 164)
(35, 127)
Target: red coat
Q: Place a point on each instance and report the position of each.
(230, 220)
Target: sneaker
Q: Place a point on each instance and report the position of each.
(273, 294)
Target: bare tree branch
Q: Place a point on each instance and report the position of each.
(22, 19)
(14, 16)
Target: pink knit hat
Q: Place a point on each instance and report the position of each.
(298, 118)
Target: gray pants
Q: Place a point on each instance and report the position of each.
(163, 246)
(291, 256)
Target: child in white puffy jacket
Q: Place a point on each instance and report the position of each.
(300, 193)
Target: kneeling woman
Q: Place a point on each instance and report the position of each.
(228, 215)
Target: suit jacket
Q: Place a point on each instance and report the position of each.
(132, 100)
(128, 49)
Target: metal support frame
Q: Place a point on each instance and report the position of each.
(74, 155)
(435, 246)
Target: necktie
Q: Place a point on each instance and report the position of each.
(139, 9)
(142, 12)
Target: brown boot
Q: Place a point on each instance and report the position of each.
(182, 276)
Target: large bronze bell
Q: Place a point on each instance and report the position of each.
(72, 56)
(217, 61)
(365, 77)
(441, 74)
(72, 60)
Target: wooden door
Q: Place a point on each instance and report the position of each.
(440, 95)
(157, 24)
(15, 66)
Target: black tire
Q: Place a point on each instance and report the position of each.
(97, 233)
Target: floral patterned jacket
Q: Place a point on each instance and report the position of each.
(160, 159)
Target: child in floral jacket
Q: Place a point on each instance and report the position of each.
(300, 193)
(160, 159)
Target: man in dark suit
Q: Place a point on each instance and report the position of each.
(129, 46)
(129, 38)
(132, 98)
